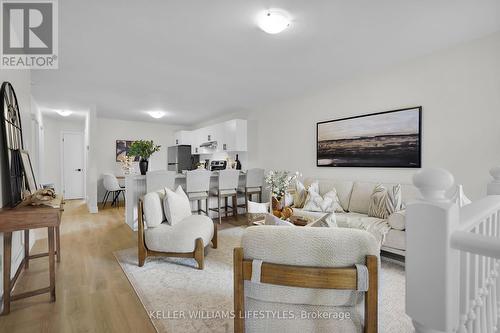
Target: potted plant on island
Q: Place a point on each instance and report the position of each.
(144, 149)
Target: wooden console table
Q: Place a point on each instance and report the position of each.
(26, 218)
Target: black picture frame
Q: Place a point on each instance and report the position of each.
(413, 158)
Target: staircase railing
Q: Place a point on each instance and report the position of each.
(452, 258)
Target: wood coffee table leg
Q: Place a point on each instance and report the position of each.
(7, 248)
(52, 272)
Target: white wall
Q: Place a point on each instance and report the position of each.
(459, 90)
(110, 130)
(21, 81)
(52, 146)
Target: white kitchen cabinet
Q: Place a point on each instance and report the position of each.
(234, 135)
(196, 136)
(230, 135)
(183, 138)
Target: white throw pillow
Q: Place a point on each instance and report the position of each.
(176, 205)
(153, 208)
(397, 220)
(329, 203)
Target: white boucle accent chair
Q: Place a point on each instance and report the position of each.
(186, 239)
(297, 271)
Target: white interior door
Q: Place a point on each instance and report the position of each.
(73, 163)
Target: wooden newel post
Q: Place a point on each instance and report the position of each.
(494, 185)
(432, 266)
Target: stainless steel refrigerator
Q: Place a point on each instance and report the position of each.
(180, 158)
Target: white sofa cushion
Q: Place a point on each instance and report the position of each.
(397, 220)
(153, 208)
(396, 239)
(300, 194)
(375, 226)
(360, 197)
(176, 205)
(181, 236)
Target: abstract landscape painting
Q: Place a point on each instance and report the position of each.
(385, 139)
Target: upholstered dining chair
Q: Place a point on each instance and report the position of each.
(296, 271)
(112, 186)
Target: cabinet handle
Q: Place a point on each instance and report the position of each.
(224, 146)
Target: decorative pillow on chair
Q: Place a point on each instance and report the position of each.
(384, 202)
(328, 203)
(153, 208)
(176, 205)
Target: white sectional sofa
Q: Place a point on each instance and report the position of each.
(354, 198)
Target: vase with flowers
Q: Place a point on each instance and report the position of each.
(144, 149)
(278, 182)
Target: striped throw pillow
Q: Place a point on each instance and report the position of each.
(384, 202)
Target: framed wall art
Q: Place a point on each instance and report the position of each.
(391, 139)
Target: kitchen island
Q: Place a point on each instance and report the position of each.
(136, 187)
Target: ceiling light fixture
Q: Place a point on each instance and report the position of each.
(64, 113)
(274, 20)
(156, 114)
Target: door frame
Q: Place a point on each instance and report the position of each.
(84, 167)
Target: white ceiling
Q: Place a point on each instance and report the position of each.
(199, 59)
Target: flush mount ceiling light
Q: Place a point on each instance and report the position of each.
(274, 20)
(156, 114)
(64, 113)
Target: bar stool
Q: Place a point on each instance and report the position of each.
(253, 185)
(159, 179)
(227, 187)
(197, 187)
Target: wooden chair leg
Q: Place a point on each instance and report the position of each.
(239, 291)
(235, 207)
(225, 206)
(206, 206)
(371, 296)
(199, 206)
(218, 209)
(214, 237)
(246, 199)
(142, 252)
(199, 253)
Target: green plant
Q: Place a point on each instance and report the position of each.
(143, 148)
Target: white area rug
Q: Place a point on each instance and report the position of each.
(173, 292)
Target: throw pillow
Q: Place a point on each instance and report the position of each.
(394, 201)
(328, 203)
(300, 195)
(377, 206)
(176, 205)
(153, 208)
(384, 202)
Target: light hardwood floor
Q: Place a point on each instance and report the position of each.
(93, 294)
